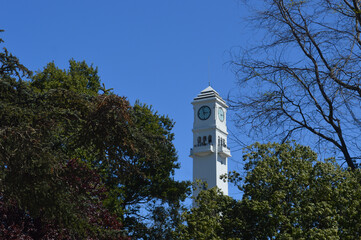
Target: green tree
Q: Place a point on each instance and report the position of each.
(38, 175)
(131, 146)
(80, 78)
(287, 194)
(215, 217)
(10, 66)
(80, 162)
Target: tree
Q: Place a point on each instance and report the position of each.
(10, 66)
(287, 194)
(137, 158)
(78, 163)
(163, 221)
(304, 75)
(215, 217)
(131, 146)
(80, 77)
(45, 190)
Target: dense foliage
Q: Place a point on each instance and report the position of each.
(75, 163)
(287, 194)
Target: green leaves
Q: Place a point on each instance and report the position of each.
(213, 218)
(10, 66)
(302, 193)
(74, 163)
(287, 194)
(80, 78)
(37, 134)
(127, 151)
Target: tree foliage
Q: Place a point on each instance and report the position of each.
(10, 66)
(304, 74)
(80, 78)
(215, 217)
(41, 177)
(75, 163)
(287, 194)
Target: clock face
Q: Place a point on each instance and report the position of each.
(221, 114)
(204, 113)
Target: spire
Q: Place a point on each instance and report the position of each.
(209, 72)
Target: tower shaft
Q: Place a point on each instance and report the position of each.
(210, 151)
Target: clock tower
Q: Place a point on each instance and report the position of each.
(210, 151)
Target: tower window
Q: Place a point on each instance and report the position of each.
(210, 139)
(199, 140)
(219, 141)
(204, 140)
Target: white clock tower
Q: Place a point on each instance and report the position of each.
(210, 151)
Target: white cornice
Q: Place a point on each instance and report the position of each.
(208, 129)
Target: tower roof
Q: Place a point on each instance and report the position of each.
(207, 93)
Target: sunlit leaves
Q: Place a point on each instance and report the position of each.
(287, 194)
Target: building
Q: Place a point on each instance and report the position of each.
(210, 151)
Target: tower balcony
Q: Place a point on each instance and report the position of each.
(202, 150)
(224, 151)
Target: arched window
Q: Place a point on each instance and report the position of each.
(204, 140)
(210, 139)
(199, 140)
(219, 141)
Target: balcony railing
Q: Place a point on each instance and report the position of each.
(202, 150)
(224, 151)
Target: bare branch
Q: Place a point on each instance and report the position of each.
(306, 74)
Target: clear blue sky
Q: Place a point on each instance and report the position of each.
(160, 52)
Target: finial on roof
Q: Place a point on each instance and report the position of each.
(209, 71)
